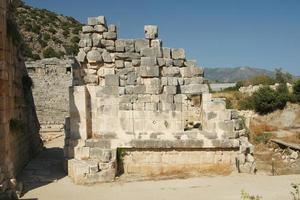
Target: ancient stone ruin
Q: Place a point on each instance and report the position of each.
(19, 126)
(139, 108)
(51, 78)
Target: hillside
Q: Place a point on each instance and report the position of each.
(46, 34)
(234, 74)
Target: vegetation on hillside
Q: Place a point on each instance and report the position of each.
(45, 33)
(265, 100)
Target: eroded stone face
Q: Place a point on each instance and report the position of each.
(143, 96)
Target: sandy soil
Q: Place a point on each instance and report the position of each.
(229, 188)
(44, 179)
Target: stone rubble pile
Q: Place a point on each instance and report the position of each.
(137, 94)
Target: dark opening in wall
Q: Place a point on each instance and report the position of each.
(68, 70)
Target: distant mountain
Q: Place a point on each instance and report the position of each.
(234, 74)
(45, 33)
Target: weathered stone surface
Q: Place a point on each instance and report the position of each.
(149, 71)
(100, 28)
(178, 63)
(190, 63)
(111, 80)
(153, 86)
(194, 88)
(106, 57)
(87, 29)
(119, 63)
(151, 31)
(189, 72)
(127, 56)
(91, 79)
(156, 43)
(151, 52)
(110, 35)
(166, 52)
(148, 61)
(94, 56)
(140, 44)
(194, 80)
(112, 28)
(170, 71)
(81, 56)
(100, 20)
(178, 54)
(170, 89)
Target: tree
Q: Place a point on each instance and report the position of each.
(296, 90)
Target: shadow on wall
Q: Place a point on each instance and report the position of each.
(46, 168)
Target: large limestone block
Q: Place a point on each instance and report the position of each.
(81, 56)
(178, 53)
(94, 56)
(188, 72)
(194, 89)
(149, 71)
(100, 20)
(112, 80)
(110, 35)
(96, 37)
(170, 89)
(166, 52)
(106, 57)
(153, 86)
(151, 52)
(87, 29)
(125, 45)
(151, 31)
(140, 44)
(148, 61)
(100, 28)
(170, 71)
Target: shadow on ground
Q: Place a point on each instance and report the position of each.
(46, 168)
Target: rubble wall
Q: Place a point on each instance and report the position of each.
(19, 127)
(51, 81)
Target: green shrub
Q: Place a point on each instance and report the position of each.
(43, 43)
(257, 80)
(52, 30)
(266, 100)
(246, 104)
(36, 57)
(66, 33)
(296, 90)
(50, 53)
(46, 36)
(56, 40)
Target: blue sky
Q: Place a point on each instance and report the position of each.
(218, 33)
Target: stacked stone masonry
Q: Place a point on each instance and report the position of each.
(51, 78)
(19, 127)
(133, 96)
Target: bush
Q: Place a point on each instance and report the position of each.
(296, 90)
(66, 33)
(52, 30)
(50, 53)
(43, 43)
(46, 37)
(72, 49)
(266, 100)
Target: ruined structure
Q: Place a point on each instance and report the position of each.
(51, 78)
(19, 127)
(139, 108)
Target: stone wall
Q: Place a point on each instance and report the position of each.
(51, 81)
(135, 93)
(19, 127)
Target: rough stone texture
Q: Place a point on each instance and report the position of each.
(52, 79)
(19, 126)
(153, 99)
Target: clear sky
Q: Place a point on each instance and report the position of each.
(218, 33)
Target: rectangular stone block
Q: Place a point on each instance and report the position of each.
(141, 44)
(151, 52)
(148, 61)
(151, 106)
(112, 80)
(149, 71)
(173, 81)
(178, 54)
(170, 89)
(194, 89)
(152, 85)
(166, 52)
(151, 31)
(170, 71)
